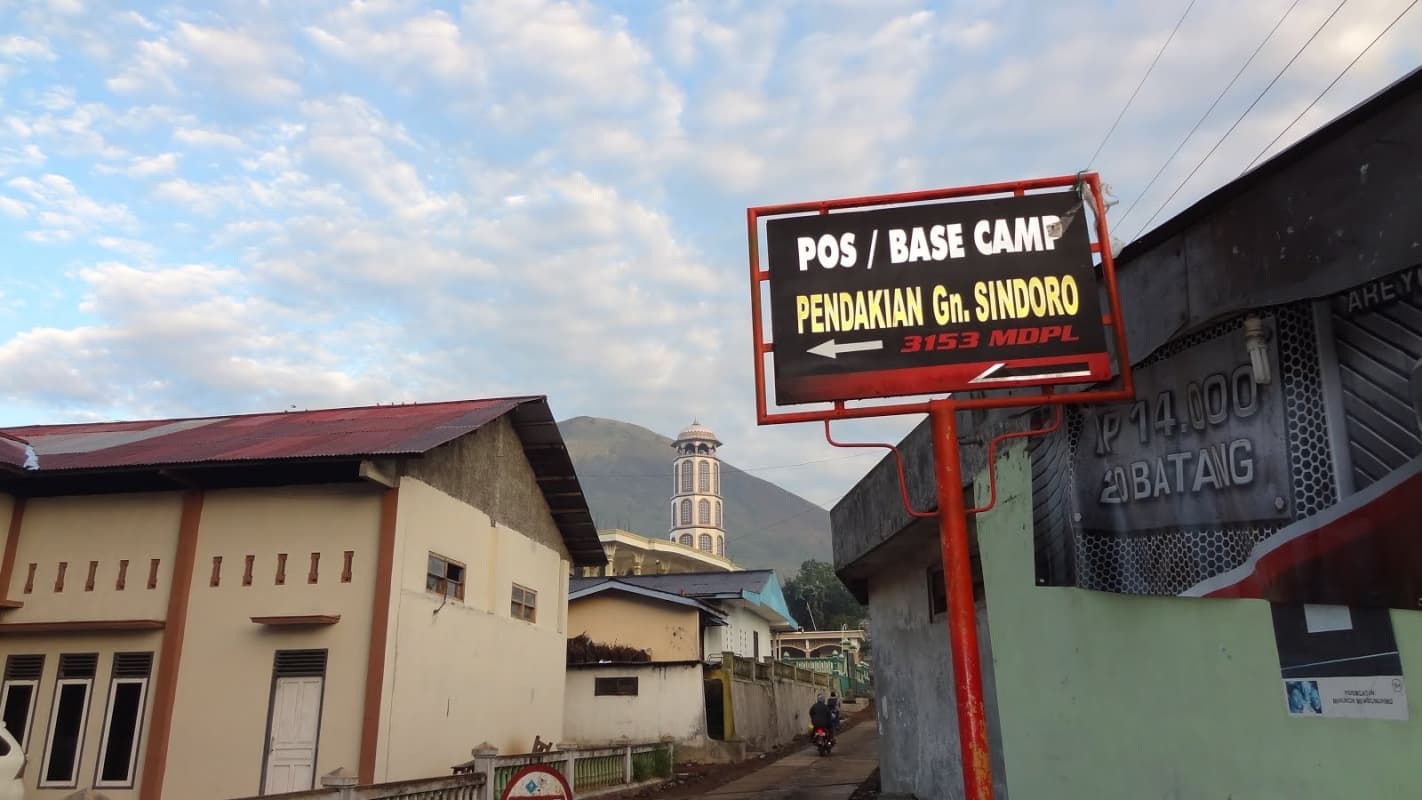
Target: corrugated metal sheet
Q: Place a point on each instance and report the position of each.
(1378, 350)
(345, 432)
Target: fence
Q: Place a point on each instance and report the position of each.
(847, 678)
(590, 770)
(337, 786)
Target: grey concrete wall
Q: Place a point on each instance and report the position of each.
(488, 470)
(771, 713)
(918, 725)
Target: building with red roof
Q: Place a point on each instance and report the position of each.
(234, 605)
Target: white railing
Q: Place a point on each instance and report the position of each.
(337, 786)
(589, 770)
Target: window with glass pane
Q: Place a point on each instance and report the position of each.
(17, 695)
(445, 577)
(118, 753)
(524, 605)
(67, 718)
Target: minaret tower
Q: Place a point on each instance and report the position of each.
(696, 491)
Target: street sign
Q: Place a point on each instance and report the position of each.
(934, 298)
(538, 780)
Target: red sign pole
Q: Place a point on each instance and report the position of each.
(962, 615)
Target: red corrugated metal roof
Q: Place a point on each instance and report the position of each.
(340, 432)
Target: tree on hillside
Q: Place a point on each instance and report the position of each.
(819, 601)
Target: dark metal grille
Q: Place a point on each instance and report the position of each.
(24, 668)
(133, 665)
(78, 665)
(300, 663)
(1378, 351)
(1167, 561)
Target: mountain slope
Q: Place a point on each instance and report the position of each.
(626, 473)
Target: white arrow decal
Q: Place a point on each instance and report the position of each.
(831, 350)
(985, 377)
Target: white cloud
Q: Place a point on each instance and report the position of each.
(423, 45)
(65, 212)
(145, 166)
(13, 207)
(152, 69)
(239, 62)
(20, 48)
(202, 137)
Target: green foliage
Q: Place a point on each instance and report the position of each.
(819, 601)
(583, 650)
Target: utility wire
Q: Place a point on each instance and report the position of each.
(728, 466)
(1330, 86)
(1221, 141)
(1121, 220)
(1144, 77)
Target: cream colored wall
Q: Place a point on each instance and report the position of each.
(736, 636)
(51, 646)
(670, 701)
(669, 632)
(78, 530)
(462, 673)
(102, 528)
(224, 688)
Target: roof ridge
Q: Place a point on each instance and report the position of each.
(250, 414)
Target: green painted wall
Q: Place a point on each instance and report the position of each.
(1108, 696)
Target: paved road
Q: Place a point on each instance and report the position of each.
(807, 776)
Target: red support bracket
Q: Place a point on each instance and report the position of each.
(898, 457)
(1047, 430)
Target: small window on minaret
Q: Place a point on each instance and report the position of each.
(686, 476)
(716, 477)
(703, 477)
(686, 512)
(706, 542)
(718, 514)
(703, 512)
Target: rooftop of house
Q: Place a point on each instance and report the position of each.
(758, 589)
(289, 447)
(713, 615)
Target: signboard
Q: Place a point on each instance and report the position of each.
(538, 780)
(1339, 662)
(1203, 444)
(931, 298)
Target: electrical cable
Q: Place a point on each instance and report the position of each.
(1144, 77)
(1222, 139)
(1330, 86)
(1121, 220)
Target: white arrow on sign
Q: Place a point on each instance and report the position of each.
(831, 350)
(987, 375)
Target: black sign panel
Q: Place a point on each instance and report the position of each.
(942, 297)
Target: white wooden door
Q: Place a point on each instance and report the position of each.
(296, 719)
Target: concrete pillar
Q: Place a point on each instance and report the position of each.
(344, 784)
(484, 756)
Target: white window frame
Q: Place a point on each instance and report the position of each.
(44, 783)
(99, 782)
(29, 713)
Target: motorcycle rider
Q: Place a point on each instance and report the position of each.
(821, 717)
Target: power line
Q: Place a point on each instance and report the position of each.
(1330, 86)
(1241, 119)
(667, 473)
(1144, 77)
(1121, 220)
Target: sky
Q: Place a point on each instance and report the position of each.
(229, 207)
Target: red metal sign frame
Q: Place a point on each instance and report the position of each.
(989, 398)
(942, 413)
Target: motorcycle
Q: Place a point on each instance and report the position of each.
(823, 741)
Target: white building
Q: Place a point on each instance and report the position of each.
(696, 518)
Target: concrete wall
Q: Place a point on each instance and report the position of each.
(670, 701)
(913, 677)
(103, 528)
(464, 672)
(737, 635)
(668, 632)
(220, 714)
(1113, 696)
(771, 713)
(136, 528)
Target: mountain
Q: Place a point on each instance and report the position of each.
(626, 473)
